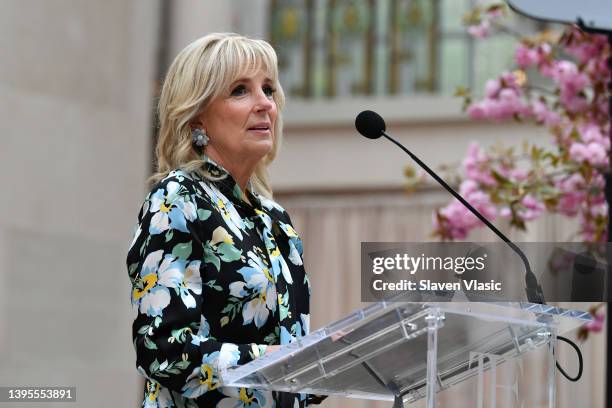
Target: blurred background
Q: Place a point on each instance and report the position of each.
(79, 80)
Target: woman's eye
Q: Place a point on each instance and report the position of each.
(239, 90)
(268, 90)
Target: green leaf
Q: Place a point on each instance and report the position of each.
(169, 235)
(283, 312)
(179, 334)
(210, 257)
(132, 268)
(211, 284)
(461, 91)
(575, 135)
(143, 329)
(203, 214)
(271, 338)
(149, 344)
(549, 191)
(237, 192)
(182, 250)
(183, 364)
(157, 321)
(154, 366)
(145, 244)
(500, 178)
(228, 252)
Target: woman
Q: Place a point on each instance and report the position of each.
(215, 264)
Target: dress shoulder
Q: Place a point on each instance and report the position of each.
(275, 210)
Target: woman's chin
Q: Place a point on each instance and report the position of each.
(259, 147)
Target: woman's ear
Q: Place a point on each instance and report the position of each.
(197, 122)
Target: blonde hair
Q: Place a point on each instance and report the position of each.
(199, 74)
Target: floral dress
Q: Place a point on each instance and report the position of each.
(214, 281)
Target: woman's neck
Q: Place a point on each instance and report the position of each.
(240, 170)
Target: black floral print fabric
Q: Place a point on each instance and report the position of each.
(214, 281)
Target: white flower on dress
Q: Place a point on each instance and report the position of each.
(151, 291)
(170, 209)
(226, 208)
(245, 398)
(257, 278)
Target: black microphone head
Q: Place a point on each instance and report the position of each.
(370, 124)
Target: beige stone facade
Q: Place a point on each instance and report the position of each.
(77, 80)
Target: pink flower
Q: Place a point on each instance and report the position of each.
(482, 30)
(571, 83)
(592, 153)
(572, 183)
(599, 156)
(482, 202)
(511, 102)
(518, 174)
(532, 208)
(575, 114)
(597, 324)
(543, 52)
(460, 221)
(597, 68)
(572, 102)
(468, 186)
(476, 111)
(590, 231)
(546, 69)
(492, 87)
(570, 203)
(567, 74)
(573, 194)
(475, 166)
(525, 56)
(591, 133)
(505, 212)
(510, 81)
(545, 115)
(599, 210)
(585, 48)
(454, 215)
(578, 152)
(503, 100)
(505, 107)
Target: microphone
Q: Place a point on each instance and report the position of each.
(371, 125)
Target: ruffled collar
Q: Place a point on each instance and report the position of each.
(228, 185)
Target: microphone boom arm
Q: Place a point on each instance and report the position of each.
(533, 289)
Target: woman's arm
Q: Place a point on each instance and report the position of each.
(169, 331)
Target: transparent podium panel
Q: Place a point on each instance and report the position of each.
(404, 351)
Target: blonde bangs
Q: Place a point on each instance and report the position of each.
(238, 57)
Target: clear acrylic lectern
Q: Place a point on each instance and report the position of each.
(406, 351)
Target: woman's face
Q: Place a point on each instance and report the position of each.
(240, 122)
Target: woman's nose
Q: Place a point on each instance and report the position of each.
(263, 102)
